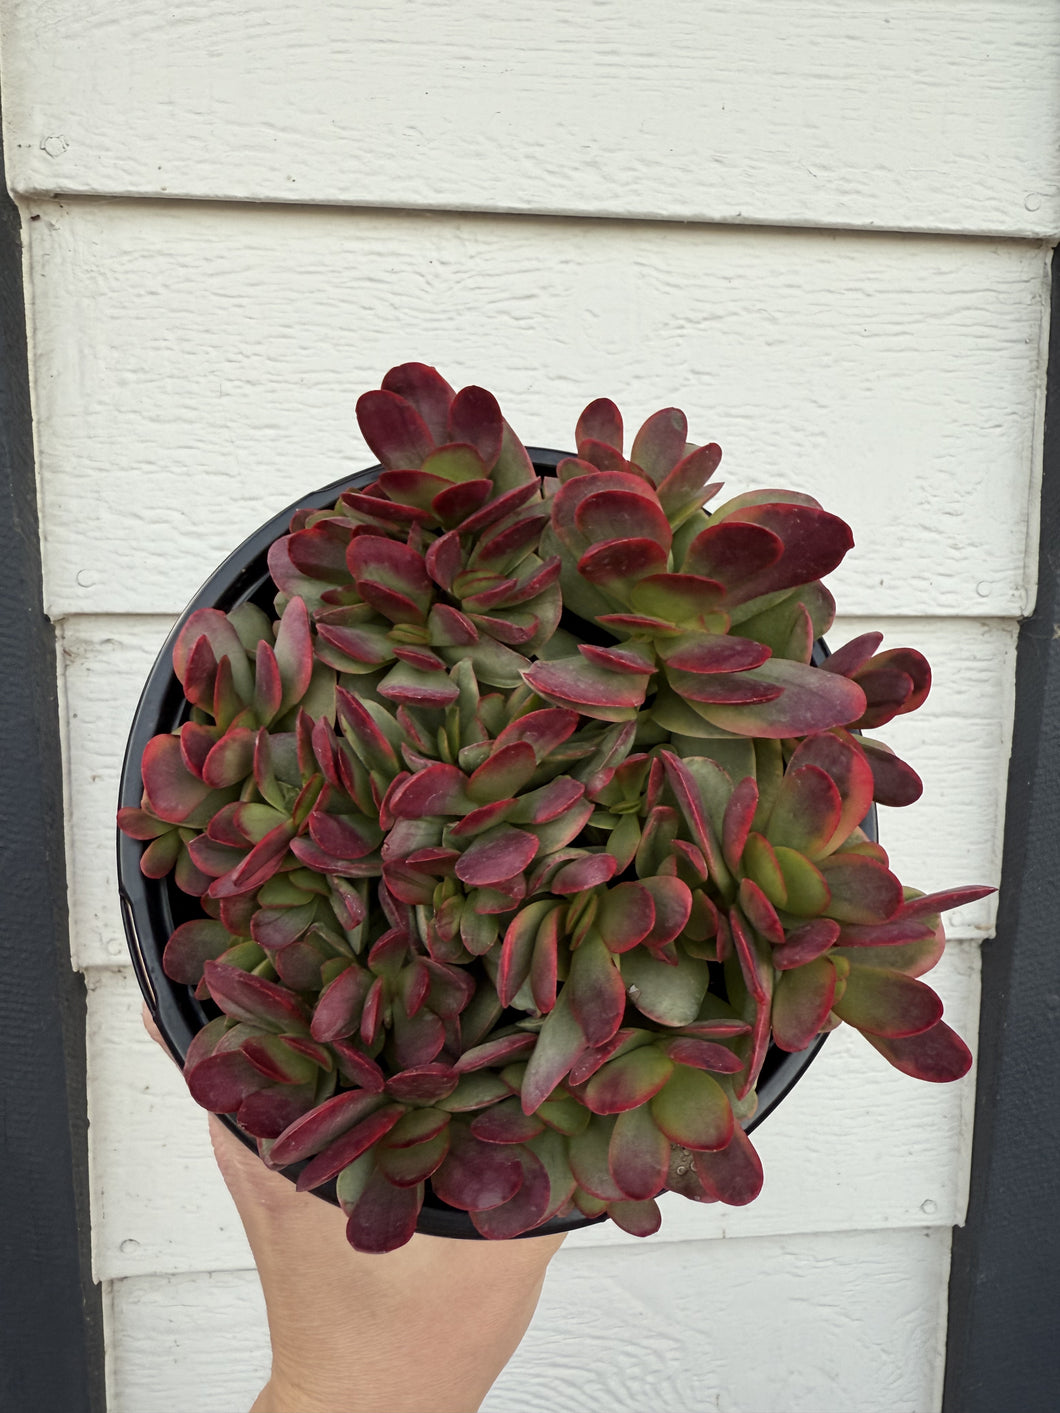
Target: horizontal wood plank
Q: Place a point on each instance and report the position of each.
(855, 1146)
(917, 115)
(839, 1321)
(196, 369)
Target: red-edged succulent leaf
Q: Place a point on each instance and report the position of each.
(251, 998)
(263, 861)
(638, 1218)
(410, 1164)
(163, 853)
(190, 946)
(840, 756)
(722, 688)
(171, 791)
(617, 564)
(660, 443)
(894, 782)
(475, 418)
(730, 551)
(559, 1043)
(280, 1064)
(847, 659)
(668, 994)
(477, 1176)
(138, 824)
(294, 652)
(622, 515)
(384, 1216)
(456, 503)
(938, 1055)
(597, 992)
(268, 1111)
(668, 599)
(806, 943)
(526, 1210)
(437, 789)
(337, 1013)
(806, 893)
(494, 1053)
(504, 773)
(692, 1109)
(601, 421)
(704, 1055)
(929, 904)
(330, 1161)
(815, 542)
(517, 950)
(581, 874)
(809, 701)
(200, 674)
(596, 691)
(506, 1123)
(197, 743)
(863, 889)
(638, 1154)
(548, 802)
(496, 856)
(884, 1002)
(356, 1067)
(685, 486)
(427, 391)
(689, 794)
(222, 1081)
(224, 641)
(588, 1159)
(628, 1080)
(736, 824)
(806, 811)
(759, 911)
(626, 916)
(732, 1175)
(423, 1083)
(894, 682)
(709, 653)
(377, 563)
(394, 430)
(544, 964)
(344, 836)
(634, 658)
(755, 965)
(801, 1001)
(672, 899)
(416, 1127)
(231, 760)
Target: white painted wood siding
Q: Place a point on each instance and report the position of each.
(195, 365)
(931, 115)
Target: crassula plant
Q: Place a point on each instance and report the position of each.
(527, 820)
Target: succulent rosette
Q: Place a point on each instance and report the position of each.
(527, 820)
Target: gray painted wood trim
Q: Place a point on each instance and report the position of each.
(51, 1347)
(1003, 1350)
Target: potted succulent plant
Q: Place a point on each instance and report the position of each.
(509, 831)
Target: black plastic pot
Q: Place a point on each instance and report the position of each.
(152, 908)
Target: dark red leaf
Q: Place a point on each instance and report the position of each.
(384, 1216)
(337, 1155)
(394, 430)
(938, 1054)
(477, 1176)
(732, 1175)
